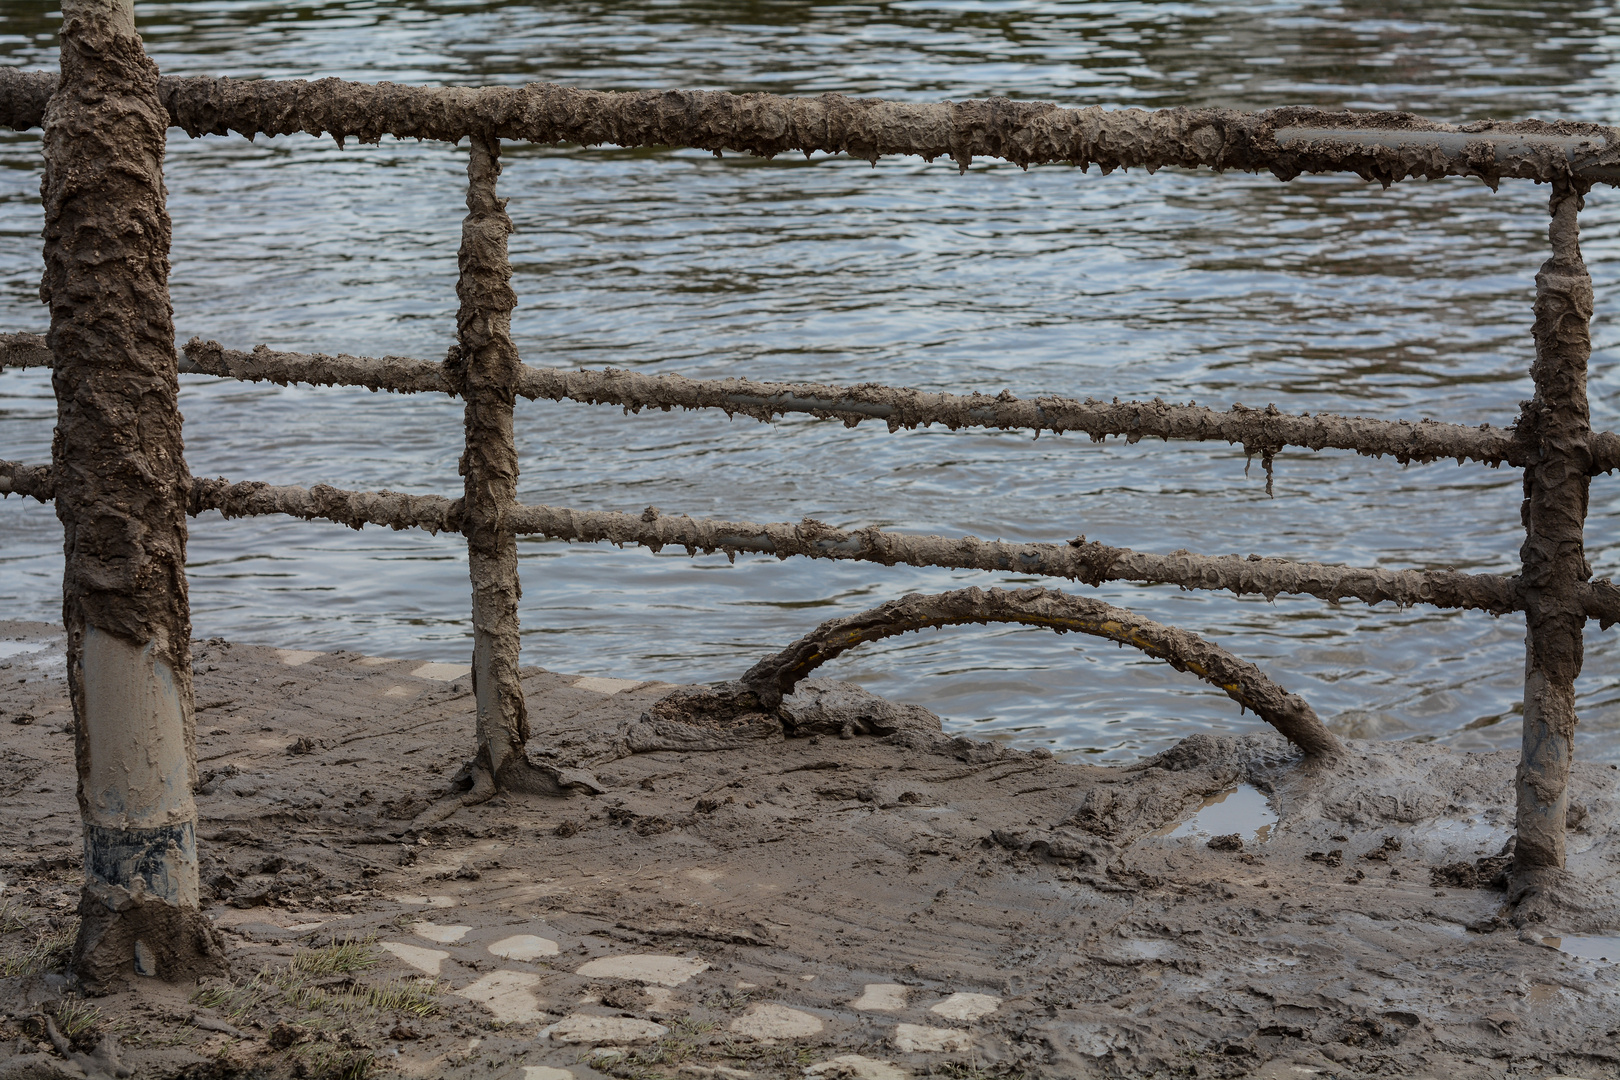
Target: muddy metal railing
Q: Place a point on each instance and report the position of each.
(1551, 440)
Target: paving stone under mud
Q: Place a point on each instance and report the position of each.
(786, 910)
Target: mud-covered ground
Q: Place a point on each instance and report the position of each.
(875, 906)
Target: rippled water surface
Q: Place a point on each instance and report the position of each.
(1324, 294)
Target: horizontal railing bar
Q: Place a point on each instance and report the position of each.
(1261, 431)
(1079, 560)
(1503, 147)
(1023, 132)
(29, 481)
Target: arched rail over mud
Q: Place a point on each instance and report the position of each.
(776, 675)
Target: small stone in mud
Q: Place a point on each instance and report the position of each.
(526, 947)
(1229, 842)
(583, 1028)
(967, 1007)
(915, 1038)
(566, 829)
(651, 969)
(768, 1021)
(881, 997)
(1331, 858)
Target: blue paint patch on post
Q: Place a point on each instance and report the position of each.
(155, 856)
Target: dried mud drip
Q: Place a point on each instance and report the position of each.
(776, 676)
(1555, 566)
(120, 483)
(1259, 431)
(483, 367)
(1023, 132)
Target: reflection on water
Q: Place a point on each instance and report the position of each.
(1242, 810)
(1324, 294)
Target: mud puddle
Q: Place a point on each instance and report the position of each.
(9, 649)
(1243, 810)
(1603, 948)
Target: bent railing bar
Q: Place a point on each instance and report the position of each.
(769, 680)
(1383, 146)
(1257, 430)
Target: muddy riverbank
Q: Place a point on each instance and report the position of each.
(875, 906)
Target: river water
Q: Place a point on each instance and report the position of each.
(1324, 294)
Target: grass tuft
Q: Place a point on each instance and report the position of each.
(11, 920)
(326, 1061)
(291, 988)
(50, 950)
(338, 957)
(418, 997)
(971, 1070)
(75, 1019)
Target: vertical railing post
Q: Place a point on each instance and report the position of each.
(487, 374)
(1558, 422)
(121, 484)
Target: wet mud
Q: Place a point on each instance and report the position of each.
(898, 900)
